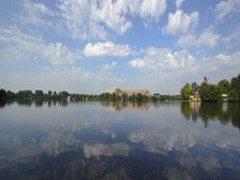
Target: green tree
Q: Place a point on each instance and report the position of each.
(10, 94)
(124, 97)
(3, 95)
(63, 94)
(224, 86)
(104, 97)
(194, 88)
(139, 97)
(209, 92)
(49, 94)
(235, 85)
(186, 91)
(39, 93)
(233, 95)
(54, 94)
(25, 94)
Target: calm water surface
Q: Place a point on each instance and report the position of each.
(114, 141)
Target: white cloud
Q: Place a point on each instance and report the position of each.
(83, 19)
(108, 81)
(112, 14)
(100, 149)
(21, 46)
(106, 76)
(226, 7)
(108, 67)
(180, 22)
(106, 49)
(179, 3)
(208, 38)
(59, 54)
(137, 63)
(221, 66)
(164, 71)
(152, 9)
(17, 45)
(91, 19)
(232, 59)
(163, 60)
(34, 13)
(187, 40)
(76, 20)
(235, 35)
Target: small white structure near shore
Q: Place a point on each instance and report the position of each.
(194, 98)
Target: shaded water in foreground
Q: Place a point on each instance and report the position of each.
(114, 141)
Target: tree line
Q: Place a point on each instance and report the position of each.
(53, 95)
(28, 94)
(213, 92)
(206, 91)
(75, 97)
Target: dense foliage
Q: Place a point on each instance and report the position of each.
(213, 92)
(186, 91)
(207, 112)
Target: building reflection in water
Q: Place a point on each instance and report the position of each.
(118, 106)
(75, 143)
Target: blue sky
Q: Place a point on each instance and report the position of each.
(89, 46)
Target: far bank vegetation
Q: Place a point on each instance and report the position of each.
(224, 90)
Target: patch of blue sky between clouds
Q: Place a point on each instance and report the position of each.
(89, 46)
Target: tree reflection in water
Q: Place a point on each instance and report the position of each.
(206, 112)
(148, 141)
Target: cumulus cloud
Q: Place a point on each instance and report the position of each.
(208, 38)
(18, 45)
(235, 35)
(114, 13)
(166, 67)
(91, 19)
(179, 3)
(106, 49)
(180, 22)
(165, 60)
(76, 20)
(220, 66)
(137, 63)
(152, 9)
(226, 7)
(111, 13)
(58, 54)
(34, 13)
(21, 46)
(108, 67)
(107, 77)
(227, 60)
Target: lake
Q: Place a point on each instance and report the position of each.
(94, 140)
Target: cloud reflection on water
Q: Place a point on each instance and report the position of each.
(90, 137)
(100, 149)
